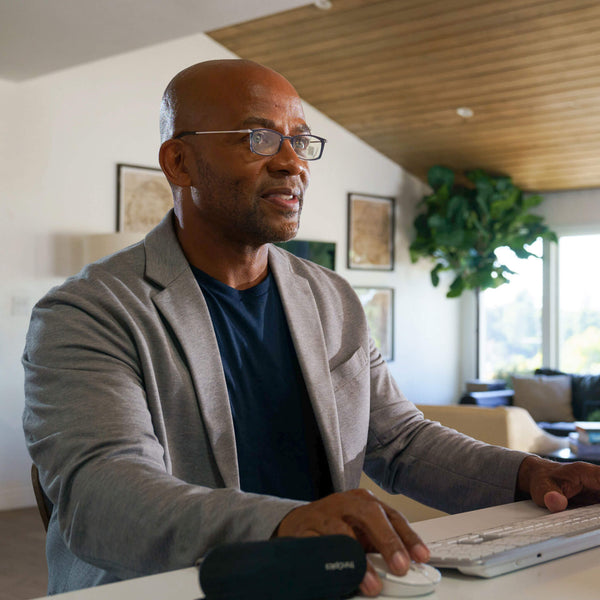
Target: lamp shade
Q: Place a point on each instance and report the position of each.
(98, 245)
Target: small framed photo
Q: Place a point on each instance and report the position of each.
(378, 304)
(143, 198)
(370, 232)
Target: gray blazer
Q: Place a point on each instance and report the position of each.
(128, 419)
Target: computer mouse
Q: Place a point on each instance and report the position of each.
(420, 579)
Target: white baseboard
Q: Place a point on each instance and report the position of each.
(16, 494)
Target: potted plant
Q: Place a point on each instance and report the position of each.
(461, 226)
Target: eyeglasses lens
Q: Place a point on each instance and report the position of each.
(307, 147)
(267, 142)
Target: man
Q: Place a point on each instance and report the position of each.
(205, 387)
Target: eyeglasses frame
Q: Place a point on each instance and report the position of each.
(281, 139)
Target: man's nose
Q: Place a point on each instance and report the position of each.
(287, 160)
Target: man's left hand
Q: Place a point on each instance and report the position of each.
(558, 485)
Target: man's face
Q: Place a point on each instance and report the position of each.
(249, 198)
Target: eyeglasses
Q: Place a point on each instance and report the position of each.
(267, 142)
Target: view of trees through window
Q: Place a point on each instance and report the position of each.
(579, 304)
(511, 318)
(511, 315)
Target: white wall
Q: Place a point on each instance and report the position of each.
(574, 211)
(13, 469)
(62, 136)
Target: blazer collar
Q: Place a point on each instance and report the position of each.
(165, 260)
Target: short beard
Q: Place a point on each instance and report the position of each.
(246, 218)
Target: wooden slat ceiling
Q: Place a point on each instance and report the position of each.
(394, 72)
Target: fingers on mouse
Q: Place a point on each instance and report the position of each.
(420, 580)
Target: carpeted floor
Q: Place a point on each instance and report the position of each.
(23, 570)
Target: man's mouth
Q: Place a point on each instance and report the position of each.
(283, 197)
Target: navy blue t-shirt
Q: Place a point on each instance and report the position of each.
(280, 451)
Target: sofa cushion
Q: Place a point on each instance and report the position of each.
(585, 391)
(545, 397)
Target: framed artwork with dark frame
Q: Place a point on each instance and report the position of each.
(322, 253)
(143, 198)
(378, 304)
(370, 232)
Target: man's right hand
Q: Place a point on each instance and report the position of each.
(359, 514)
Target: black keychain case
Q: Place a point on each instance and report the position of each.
(314, 568)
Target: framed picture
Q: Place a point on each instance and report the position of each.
(378, 303)
(322, 253)
(370, 232)
(143, 198)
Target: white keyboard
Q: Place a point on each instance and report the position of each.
(497, 550)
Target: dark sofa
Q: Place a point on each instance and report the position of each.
(585, 399)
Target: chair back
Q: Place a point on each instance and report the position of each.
(43, 503)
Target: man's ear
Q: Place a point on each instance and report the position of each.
(172, 161)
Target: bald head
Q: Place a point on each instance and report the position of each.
(226, 195)
(195, 94)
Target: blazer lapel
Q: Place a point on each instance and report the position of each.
(182, 305)
(305, 327)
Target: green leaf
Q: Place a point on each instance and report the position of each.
(502, 270)
(531, 219)
(503, 183)
(482, 205)
(451, 239)
(550, 236)
(436, 222)
(421, 225)
(480, 178)
(438, 176)
(458, 209)
(531, 201)
(503, 203)
(456, 287)
(435, 277)
(484, 278)
(523, 253)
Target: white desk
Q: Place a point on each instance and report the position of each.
(576, 576)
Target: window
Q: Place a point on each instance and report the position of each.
(578, 304)
(512, 337)
(511, 318)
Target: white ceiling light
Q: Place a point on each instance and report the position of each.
(465, 112)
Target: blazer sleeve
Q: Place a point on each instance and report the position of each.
(93, 435)
(432, 464)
